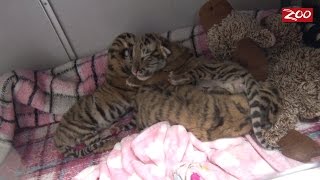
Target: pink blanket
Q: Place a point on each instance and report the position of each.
(168, 152)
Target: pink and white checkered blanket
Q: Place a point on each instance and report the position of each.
(32, 102)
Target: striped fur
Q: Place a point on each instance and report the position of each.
(207, 116)
(270, 97)
(153, 57)
(85, 120)
(228, 72)
(149, 53)
(151, 49)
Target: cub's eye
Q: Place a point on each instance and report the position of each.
(150, 59)
(147, 51)
(142, 70)
(155, 54)
(127, 53)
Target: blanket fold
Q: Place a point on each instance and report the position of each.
(170, 152)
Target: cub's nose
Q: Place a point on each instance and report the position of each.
(134, 71)
(140, 71)
(205, 88)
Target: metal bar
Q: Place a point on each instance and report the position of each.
(58, 29)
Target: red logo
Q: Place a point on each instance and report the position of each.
(297, 14)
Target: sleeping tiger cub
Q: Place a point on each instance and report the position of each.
(207, 116)
(157, 100)
(86, 119)
(263, 110)
(152, 53)
(92, 114)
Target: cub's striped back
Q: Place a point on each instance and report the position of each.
(229, 72)
(85, 120)
(207, 116)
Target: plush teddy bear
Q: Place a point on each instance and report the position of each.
(285, 61)
(236, 35)
(299, 147)
(294, 71)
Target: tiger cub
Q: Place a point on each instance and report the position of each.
(86, 119)
(270, 96)
(153, 53)
(263, 109)
(207, 116)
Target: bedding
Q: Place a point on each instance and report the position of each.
(162, 151)
(32, 102)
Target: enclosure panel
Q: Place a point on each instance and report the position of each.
(27, 39)
(92, 24)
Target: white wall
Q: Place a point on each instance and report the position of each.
(27, 39)
(92, 24)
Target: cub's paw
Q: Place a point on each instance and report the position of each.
(205, 90)
(132, 82)
(208, 89)
(69, 153)
(179, 79)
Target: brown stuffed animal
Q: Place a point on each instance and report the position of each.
(246, 50)
(251, 56)
(299, 147)
(213, 12)
(294, 71)
(244, 46)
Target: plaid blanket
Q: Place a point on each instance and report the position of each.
(32, 102)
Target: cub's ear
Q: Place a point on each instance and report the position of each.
(163, 44)
(164, 47)
(164, 51)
